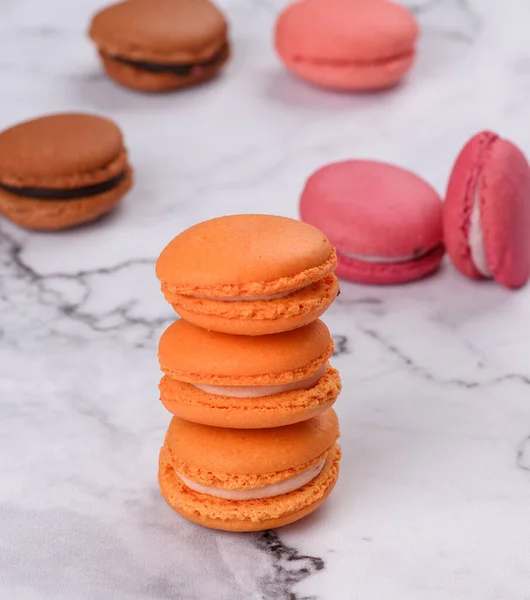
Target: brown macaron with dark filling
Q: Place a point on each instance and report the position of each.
(62, 170)
(161, 45)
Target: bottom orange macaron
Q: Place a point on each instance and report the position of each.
(249, 480)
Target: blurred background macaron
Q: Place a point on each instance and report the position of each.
(385, 222)
(249, 274)
(487, 211)
(62, 170)
(249, 479)
(351, 45)
(247, 382)
(161, 45)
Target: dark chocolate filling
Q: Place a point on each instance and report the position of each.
(183, 70)
(65, 194)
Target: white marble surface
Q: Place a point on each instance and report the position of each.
(434, 498)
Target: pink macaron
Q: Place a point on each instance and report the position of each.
(347, 44)
(385, 222)
(487, 211)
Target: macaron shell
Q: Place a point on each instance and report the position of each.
(390, 273)
(250, 515)
(244, 255)
(142, 80)
(356, 203)
(240, 526)
(459, 200)
(52, 215)
(352, 77)
(192, 354)
(163, 31)
(504, 188)
(263, 317)
(361, 31)
(61, 151)
(186, 401)
(251, 452)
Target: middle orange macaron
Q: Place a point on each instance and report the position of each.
(247, 382)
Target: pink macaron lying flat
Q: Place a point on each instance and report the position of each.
(385, 222)
(487, 211)
(347, 44)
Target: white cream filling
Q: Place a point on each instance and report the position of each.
(251, 298)
(476, 237)
(268, 491)
(260, 391)
(384, 259)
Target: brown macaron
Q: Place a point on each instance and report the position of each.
(249, 479)
(249, 274)
(62, 170)
(247, 382)
(161, 45)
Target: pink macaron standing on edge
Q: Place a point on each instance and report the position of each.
(385, 222)
(350, 45)
(487, 211)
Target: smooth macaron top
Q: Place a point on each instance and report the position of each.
(373, 211)
(192, 354)
(61, 150)
(252, 451)
(245, 255)
(160, 30)
(361, 31)
(487, 211)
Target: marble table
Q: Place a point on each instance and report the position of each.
(433, 502)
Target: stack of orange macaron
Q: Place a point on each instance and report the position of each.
(252, 444)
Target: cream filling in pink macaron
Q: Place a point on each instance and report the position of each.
(260, 391)
(265, 298)
(384, 259)
(476, 237)
(268, 491)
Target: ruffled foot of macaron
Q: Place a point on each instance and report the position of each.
(487, 211)
(350, 45)
(161, 45)
(247, 382)
(385, 222)
(249, 480)
(249, 274)
(62, 170)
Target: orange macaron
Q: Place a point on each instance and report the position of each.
(249, 274)
(249, 479)
(247, 382)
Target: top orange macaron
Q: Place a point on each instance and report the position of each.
(249, 274)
